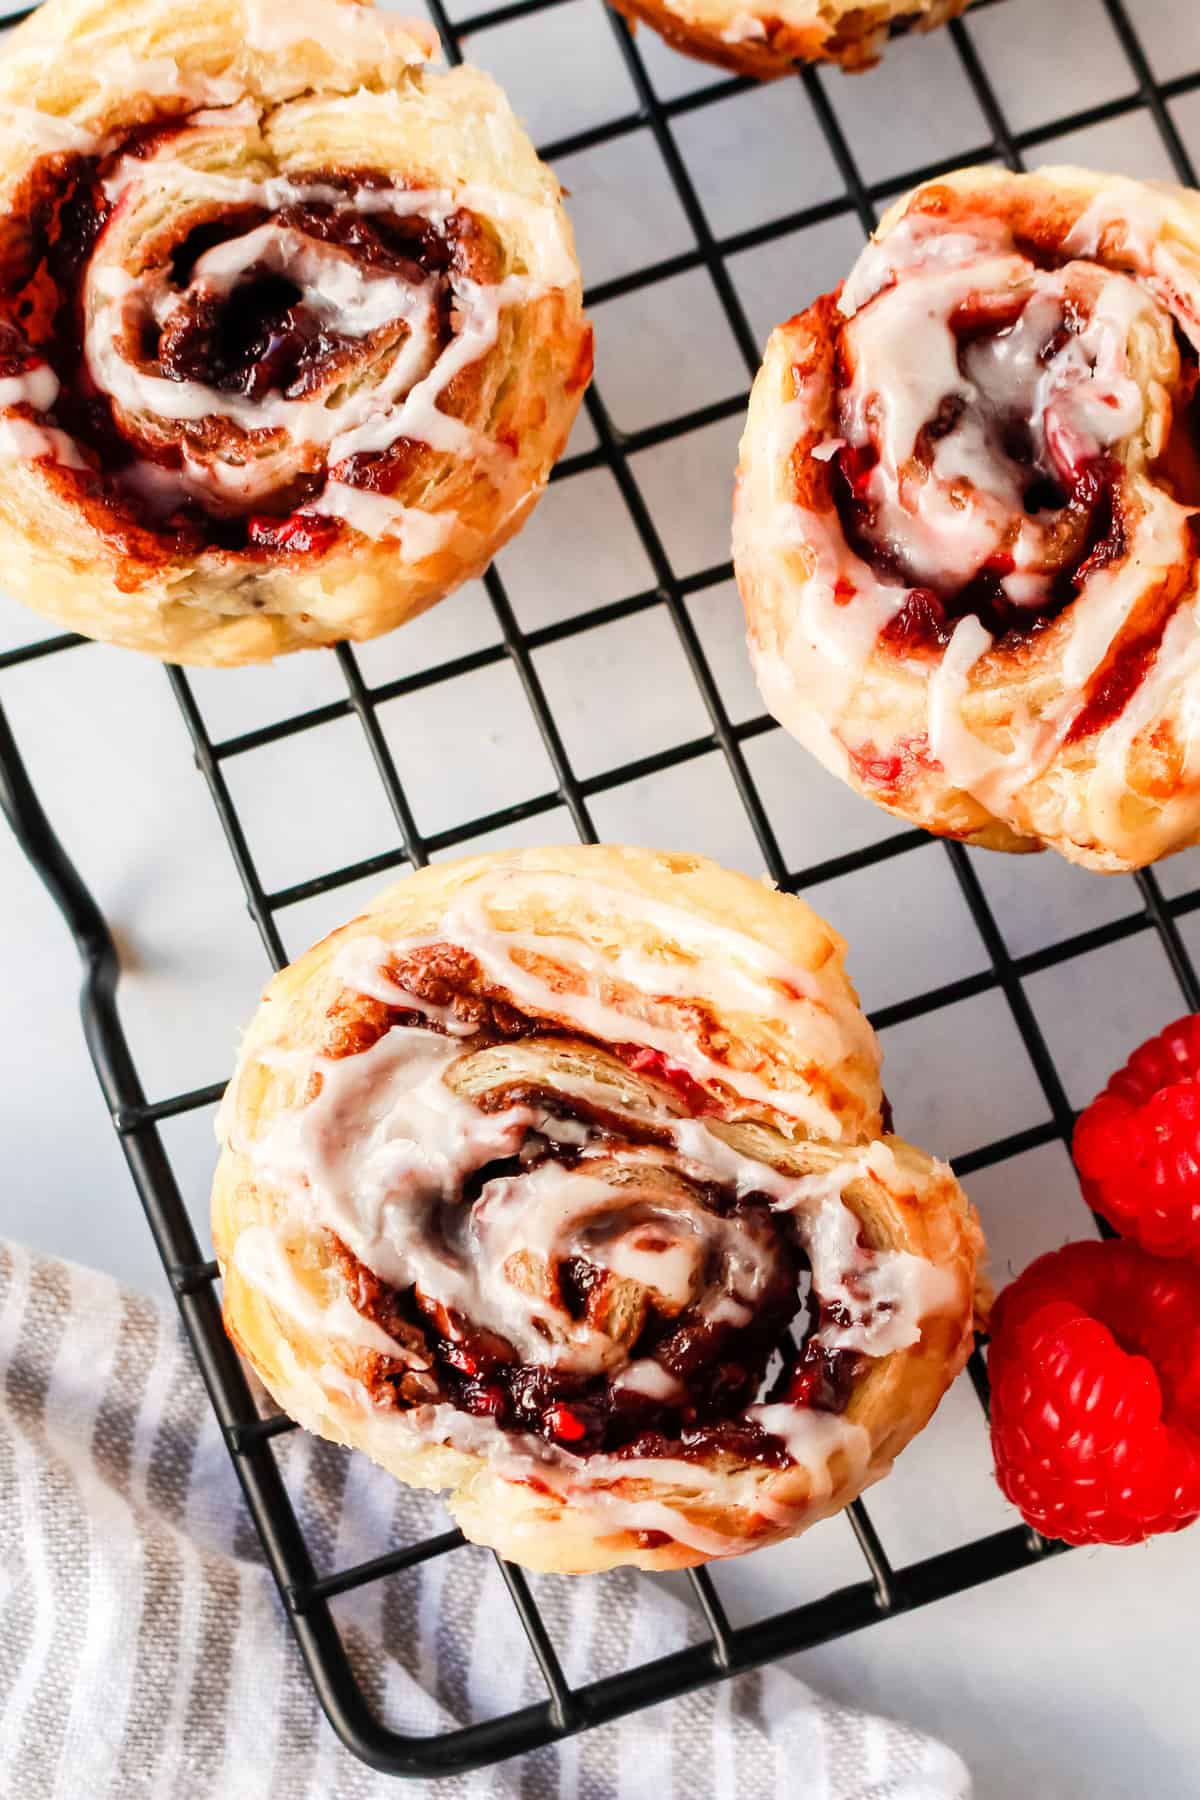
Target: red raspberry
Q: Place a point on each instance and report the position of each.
(1137, 1146)
(1095, 1373)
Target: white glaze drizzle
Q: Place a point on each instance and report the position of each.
(48, 134)
(272, 26)
(355, 298)
(647, 1377)
(378, 516)
(36, 387)
(744, 28)
(223, 118)
(713, 963)
(1144, 215)
(385, 1139)
(884, 1294)
(113, 314)
(118, 73)
(403, 399)
(386, 1124)
(260, 1256)
(838, 639)
(537, 220)
(23, 441)
(915, 242)
(362, 964)
(811, 1438)
(1079, 403)
(600, 1486)
(1173, 673)
(941, 524)
(996, 776)
(269, 28)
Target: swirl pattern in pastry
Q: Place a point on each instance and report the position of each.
(557, 1180)
(290, 325)
(965, 528)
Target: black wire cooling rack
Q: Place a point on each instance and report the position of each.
(306, 1594)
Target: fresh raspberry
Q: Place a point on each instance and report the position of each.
(1137, 1146)
(1095, 1374)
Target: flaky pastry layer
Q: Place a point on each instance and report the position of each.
(709, 1001)
(766, 40)
(1045, 694)
(395, 247)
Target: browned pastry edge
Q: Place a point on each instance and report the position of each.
(853, 41)
(923, 1211)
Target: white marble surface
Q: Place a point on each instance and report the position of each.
(1072, 1679)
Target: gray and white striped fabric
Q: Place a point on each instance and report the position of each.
(143, 1651)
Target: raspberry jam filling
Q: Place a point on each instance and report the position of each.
(656, 1064)
(701, 1375)
(670, 1303)
(262, 335)
(281, 306)
(1006, 500)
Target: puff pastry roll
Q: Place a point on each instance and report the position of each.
(556, 1180)
(965, 525)
(756, 37)
(290, 323)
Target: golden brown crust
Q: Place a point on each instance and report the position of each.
(1102, 801)
(613, 901)
(323, 92)
(767, 40)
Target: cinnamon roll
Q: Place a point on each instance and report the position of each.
(290, 324)
(557, 1180)
(755, 37)
(965, 530)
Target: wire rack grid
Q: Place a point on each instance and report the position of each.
(885, 1589)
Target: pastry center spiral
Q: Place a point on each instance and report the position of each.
(555, 1243)
(243, 361)
(603, 1301)
(988, 409)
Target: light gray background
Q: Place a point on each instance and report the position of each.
(1071, 1679)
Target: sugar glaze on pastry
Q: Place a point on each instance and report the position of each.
(768, 38)
(290, 328)
(964, 526)
(557, 1180)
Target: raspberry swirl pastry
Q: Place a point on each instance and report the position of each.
(290, 327)
(555, 1180)
(965, 528)
(758, 38)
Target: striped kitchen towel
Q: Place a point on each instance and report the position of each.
(143, 1650)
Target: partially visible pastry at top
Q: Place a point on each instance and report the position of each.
(965, 530)
(290, 323)
(768, 37)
